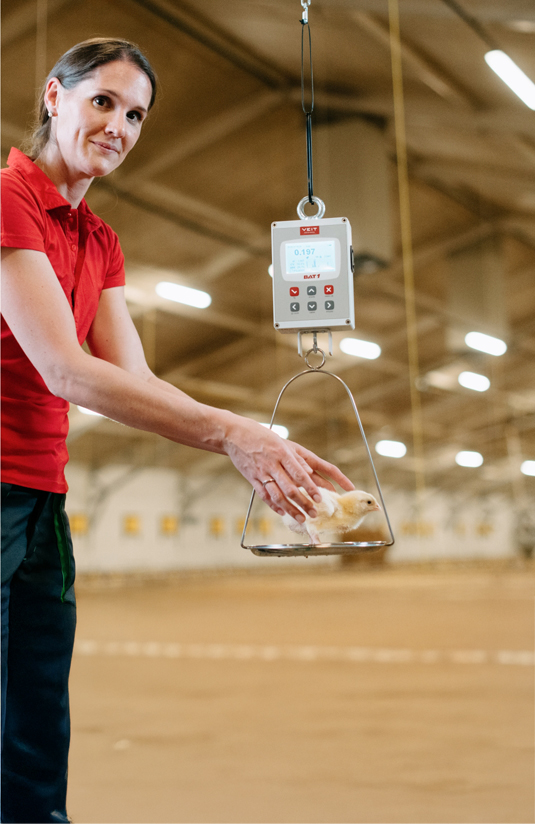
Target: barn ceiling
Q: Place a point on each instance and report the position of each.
(223, 155)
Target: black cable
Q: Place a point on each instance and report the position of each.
(310, 181)
(307, 111)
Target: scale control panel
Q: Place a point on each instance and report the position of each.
(312, 275)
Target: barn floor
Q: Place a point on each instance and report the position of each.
(399, 694)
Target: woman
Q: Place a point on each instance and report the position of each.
(62, 283)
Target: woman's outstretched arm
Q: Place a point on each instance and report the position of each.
(118, 383)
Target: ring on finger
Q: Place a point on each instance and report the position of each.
(268, 481)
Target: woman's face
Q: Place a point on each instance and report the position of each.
(96, 123)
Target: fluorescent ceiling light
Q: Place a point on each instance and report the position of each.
(282, 431)
(360, 348)
(524, 26)
(512, 76)
(391, 449)
(469, 458)
(89, 412)
(270, 270)
(485, 343)
(439, 378)
(528, 468)
(471, 380)
(183, 294)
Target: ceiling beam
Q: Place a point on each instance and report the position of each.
(520, 227)
(222, 356)
(11, 136)
(193, 24)
(144, 297)
(23, 21)
(219, 265)
(222, 219)
(425, 69)
(209, 132)
(523, 145)
(192, 212)
(490, 11)
(386, 282)
(471, 170)
(166, 204)
(473, 23)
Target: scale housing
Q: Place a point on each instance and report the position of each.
(312, 275)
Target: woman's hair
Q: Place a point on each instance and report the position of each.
(75, 65)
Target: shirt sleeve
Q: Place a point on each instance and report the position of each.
(115, 276)
(22, 222)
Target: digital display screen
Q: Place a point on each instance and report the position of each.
(310, 256)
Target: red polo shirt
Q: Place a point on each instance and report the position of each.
(86, 257)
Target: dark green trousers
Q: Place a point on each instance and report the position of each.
(38, 623)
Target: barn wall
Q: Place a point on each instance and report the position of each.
(125, 531)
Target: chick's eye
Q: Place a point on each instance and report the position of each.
(368, 502)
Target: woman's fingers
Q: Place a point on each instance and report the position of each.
(305, 481)
(321, 468)
(298, 480)
(279, 503)
(287, 495)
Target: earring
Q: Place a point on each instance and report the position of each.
(49, 113)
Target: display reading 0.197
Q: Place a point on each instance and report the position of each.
(315, 256)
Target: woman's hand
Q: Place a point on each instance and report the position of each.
(320, 468)
(260, 454)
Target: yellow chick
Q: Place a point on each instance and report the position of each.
(336, 513)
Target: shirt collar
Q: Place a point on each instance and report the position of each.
(43, 186)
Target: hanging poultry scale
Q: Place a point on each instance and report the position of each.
(313, 293)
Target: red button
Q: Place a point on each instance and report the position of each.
(329, 290)
(294, 291)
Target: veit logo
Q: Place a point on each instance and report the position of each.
(309, 230)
